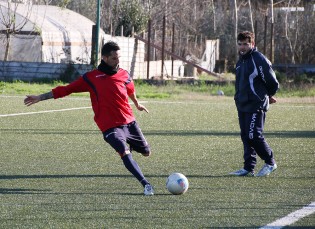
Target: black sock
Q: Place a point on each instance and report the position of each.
(134, 168)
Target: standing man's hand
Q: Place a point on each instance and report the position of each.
(31, 99)
(272, 100)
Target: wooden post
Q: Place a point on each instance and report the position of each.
(272, 43)
(256, 25)
(93, 50)
(265, 35)
(173, 48)
(148, 49)
(271, 34)
(97, 31)
(163, 47)
(154, 56)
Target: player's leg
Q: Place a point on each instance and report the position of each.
(134, 168)
(137, 141)
(116, 137)
(260, 145)
(249, 153)
(250, 157)
(257, 140)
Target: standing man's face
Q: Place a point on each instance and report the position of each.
(113, 59)
(244, 46)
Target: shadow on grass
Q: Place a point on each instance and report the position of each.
(162, 176)
(47, 176)
(278, 134)
(269, 227)
(68, 176)
(49, 131)
(22, 191)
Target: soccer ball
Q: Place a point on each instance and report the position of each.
(177, 184)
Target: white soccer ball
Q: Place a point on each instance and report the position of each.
(177, 184)
(220, 92)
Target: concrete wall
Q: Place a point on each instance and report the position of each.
(30, 71)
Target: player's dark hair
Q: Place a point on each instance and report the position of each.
(246, 35)
(108, 47)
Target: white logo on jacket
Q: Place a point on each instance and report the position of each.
(99, 75)
(251, 126)
(262, 73)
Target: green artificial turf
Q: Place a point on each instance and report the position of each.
(57, 171)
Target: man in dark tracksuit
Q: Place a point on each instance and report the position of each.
(255, 86)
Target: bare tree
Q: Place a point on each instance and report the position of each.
(251, 15)
(212, 19)
(236, 24)
(286, 26)
(214, 16)
(11, 23)
(307, 50)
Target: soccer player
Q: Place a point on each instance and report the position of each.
(109, 87)
(255, 86)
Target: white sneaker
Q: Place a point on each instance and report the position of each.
(266, 170)
(148, 190)
(242, 172)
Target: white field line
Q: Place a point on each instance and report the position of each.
(292, 217)
(41, 112)
(66, 98)
(49, 111)
(174, 102)
(79, 108)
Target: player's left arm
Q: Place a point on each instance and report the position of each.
(139, 106)
(132, 95)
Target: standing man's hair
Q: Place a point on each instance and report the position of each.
(108, 47)
(246, 35)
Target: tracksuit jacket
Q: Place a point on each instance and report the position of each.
(255, 82)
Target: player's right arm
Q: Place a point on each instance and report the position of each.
(32, 99)
(78, 85)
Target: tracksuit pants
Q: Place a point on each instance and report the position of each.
(252, 127)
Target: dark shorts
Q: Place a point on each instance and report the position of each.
(127, 137)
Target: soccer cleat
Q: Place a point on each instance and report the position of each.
(242, 172)
(266, 170)
(148, 190)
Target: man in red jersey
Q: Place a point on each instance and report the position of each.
(109, 87)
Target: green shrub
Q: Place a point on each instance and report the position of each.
(281, 76)
(302, 79)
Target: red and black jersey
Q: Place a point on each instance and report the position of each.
(109, 96)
